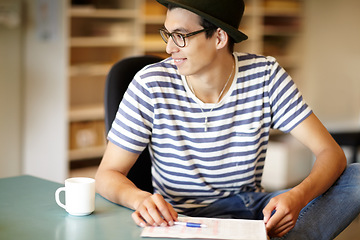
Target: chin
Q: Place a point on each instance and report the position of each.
(182, 71)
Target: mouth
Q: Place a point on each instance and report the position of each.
(179, 61)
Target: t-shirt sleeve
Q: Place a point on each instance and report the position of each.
(288, 107)
(131, 129)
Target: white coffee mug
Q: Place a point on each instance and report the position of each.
(79, 196)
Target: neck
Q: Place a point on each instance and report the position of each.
(213, 85)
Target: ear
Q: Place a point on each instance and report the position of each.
(222, 38)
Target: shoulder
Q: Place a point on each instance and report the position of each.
(247, 59)
(164, 68)
(159, 76)
(259, 67)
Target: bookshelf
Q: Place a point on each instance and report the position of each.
(100, 33)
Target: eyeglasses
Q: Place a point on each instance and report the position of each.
(178, 38)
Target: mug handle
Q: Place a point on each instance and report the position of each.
(57, 197)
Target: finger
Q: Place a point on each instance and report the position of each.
(275, 220)
(269, 210)
(282, 230)
(166, 210)
(149, 211)
(289, 219)
(283, 226)
(146, 214)
(138, 219)
(173, 213)
(153, 216)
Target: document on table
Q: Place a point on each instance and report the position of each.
(234, 229)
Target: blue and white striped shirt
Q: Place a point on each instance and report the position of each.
(191, 167)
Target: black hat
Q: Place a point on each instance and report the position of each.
(225, 14)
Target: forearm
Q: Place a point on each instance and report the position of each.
(327, 168)
(112, 183)
(117, 188)
(111, 180)
(330, 159)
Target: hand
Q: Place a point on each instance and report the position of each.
(287, 207)
(154, 211)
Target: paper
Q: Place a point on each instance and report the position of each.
(234, 229)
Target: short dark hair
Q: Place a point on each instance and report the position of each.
(211, 28)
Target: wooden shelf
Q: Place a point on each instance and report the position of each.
(89, 70)
(101, 42)
(276, 12)
(86, 153)
(89, 12)
(280, 31)
(282, 8)
(86, 113)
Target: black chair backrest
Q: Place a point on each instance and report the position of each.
(117, 82)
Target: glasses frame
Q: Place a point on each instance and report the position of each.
(165, 35)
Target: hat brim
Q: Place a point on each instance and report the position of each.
(234, 33)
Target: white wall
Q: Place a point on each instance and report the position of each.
(33, 93)
(332, 61)
(10, 94)
(45, 92)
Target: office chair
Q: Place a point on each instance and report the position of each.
(117, 81)
(350, 139)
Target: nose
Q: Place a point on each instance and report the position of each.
(171, 47)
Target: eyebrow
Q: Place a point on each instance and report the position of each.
(180, 30)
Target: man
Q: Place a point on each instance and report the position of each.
(206, 114)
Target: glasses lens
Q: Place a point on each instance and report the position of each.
(178, 39)
(165, 35)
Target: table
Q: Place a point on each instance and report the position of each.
(28, 211)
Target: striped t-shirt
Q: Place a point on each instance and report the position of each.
(192, 167)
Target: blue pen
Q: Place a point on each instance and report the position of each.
(190, 224)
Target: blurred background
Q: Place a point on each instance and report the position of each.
(55, 55)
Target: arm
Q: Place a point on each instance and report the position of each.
(330, 163)
(112, 183)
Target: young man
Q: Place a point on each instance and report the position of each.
(206, 113)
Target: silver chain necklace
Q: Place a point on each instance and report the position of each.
(222, 91)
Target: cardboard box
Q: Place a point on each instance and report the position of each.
(87, 134)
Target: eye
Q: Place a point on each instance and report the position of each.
(178, 36)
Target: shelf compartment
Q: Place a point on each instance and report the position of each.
(153, 19)
(153, 43)
(87, 90)
(98, 55)
(87, 139)
(280, 25)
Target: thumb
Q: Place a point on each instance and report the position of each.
(269, 210)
